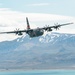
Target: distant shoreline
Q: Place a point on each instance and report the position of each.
(23, 70)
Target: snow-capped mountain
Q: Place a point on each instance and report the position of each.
(52, 50)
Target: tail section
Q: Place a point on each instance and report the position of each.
(28, 26)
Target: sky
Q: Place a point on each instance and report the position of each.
(59, 7)
(39, 13)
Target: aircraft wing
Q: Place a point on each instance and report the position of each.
(49, 28)
(18, 32)
(13, 31)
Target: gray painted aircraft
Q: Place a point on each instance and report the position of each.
(36, 32)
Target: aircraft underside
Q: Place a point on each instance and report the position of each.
(35, 33)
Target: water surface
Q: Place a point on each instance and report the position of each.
(41, 72)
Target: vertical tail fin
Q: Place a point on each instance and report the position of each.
(28, 26)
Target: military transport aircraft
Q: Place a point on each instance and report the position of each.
(35, 32)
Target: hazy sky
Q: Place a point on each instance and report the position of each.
(60, 7)
(13, 13)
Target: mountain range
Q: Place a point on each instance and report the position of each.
(50, 51)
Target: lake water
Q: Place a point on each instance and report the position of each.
(41, 72)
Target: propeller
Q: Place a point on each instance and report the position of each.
(57, 26)
(16, 31)
(46, 27)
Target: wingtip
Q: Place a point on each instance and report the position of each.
(72, 23)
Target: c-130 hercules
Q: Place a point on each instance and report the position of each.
(35, 32)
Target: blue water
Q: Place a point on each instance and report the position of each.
(49, 72)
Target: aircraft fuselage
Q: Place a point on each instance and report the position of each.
(35, 32)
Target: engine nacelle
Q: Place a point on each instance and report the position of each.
(49, 29)
(19, 33)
